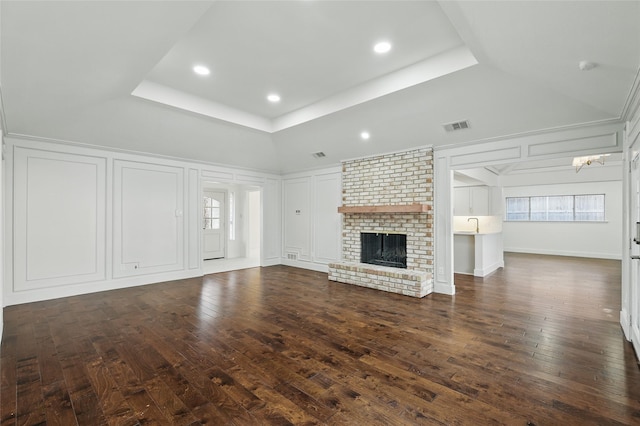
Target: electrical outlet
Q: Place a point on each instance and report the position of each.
(130, 266)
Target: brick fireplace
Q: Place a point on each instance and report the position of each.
(388, 194)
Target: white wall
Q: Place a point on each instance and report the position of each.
(148, 218)
(582, 239)
(82, 219)
(271, 225)
(238, 246)
(310, 219)
(253, 223)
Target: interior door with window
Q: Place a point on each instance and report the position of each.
(213, 224)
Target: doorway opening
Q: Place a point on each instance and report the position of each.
(213, 224)
(231, 234)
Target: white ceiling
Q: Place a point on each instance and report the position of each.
(68, 71)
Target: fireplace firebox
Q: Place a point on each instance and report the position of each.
(383, 249)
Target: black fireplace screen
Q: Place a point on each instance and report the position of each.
(383, 249)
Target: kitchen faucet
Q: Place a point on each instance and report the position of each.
(477, 223)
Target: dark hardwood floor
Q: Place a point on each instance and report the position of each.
(536, 343)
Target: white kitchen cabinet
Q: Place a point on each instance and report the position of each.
(471, 201)
(461, 201)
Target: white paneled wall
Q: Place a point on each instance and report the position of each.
(59, 222)
(327, 224)
(310, 219)
(81, 219)
(148, 218)
(271, 222)
(297, 218)
(193, 221)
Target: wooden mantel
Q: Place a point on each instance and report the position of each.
(391, 208)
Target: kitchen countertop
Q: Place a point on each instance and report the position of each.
(475, 233)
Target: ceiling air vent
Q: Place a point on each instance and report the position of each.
(318, 154)
(458, 125)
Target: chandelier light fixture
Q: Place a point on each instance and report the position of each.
(580, 162)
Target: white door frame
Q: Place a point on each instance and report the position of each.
(630, 307)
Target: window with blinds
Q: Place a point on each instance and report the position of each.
(556, 208)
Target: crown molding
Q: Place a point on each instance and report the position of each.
(387, 153)
(532, 133)
(632, 104)
(266, 172)
(3, 121)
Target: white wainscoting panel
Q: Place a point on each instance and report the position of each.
(59, 218)
(271, 222)
(296, 215)
(148, 218)
(193, 217)
(327, 221)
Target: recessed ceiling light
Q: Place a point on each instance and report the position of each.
(365, 135)
(382, 47)
(273, 98)
(201, 70)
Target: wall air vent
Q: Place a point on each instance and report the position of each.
(458, 125)
(318, 154)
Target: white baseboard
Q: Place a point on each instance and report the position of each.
(635, 339)
(564, 253)
(444, 288)
(625, 323)
(319, 267)
(483, 272)
(272, 261)
(19, 297)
